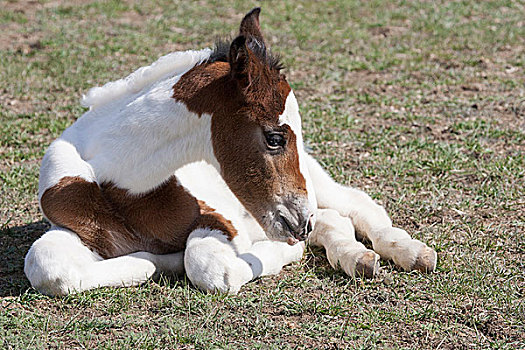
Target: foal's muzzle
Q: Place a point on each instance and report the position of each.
(298, 223)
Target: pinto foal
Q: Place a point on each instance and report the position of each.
(195, 164)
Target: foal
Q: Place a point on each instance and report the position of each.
(196, 164)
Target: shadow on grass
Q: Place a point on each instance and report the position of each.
(14, 244)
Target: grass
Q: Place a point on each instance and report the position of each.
(421, 104)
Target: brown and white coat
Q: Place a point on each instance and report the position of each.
(196, 164)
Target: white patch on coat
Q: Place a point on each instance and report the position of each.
(292, 118)
(204, 182)
(58, 263)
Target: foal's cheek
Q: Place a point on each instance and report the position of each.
(252, 179)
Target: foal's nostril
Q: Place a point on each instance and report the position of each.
(298, 230)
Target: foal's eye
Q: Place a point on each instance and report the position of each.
(275, 140)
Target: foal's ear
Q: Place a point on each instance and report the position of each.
(250, 25)
(239, 59)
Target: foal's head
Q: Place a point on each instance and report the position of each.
(256, 131)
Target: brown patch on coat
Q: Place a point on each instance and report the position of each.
(112, 222)
(212, 220)
(163, 215)
(289, 161)
(78, 205)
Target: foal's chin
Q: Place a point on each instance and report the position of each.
(283, 236)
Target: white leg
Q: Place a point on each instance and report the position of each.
(213, 263)
(371, 221)
(337, 235)
(59, 264)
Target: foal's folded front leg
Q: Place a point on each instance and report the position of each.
(372, 222)
(215, 263)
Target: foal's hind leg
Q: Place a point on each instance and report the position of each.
(59, 264)
(372, 222)
(214, 263)
(337, 235)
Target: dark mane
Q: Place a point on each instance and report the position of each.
(222, 48)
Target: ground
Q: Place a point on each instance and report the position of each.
(421, 104)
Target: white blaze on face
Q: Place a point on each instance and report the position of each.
(292, 118)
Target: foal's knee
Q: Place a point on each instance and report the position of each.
(44, 274)
(51, 264)
(212, 264)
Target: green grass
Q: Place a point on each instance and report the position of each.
(421, 104)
